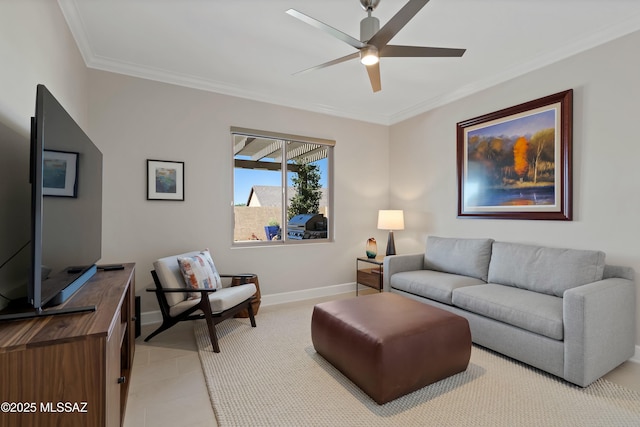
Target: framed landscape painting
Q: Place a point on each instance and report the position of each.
(59, 173)
(516, 163)
(165, 180)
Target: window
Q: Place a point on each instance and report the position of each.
(281, 188)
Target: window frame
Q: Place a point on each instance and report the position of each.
(254, 133)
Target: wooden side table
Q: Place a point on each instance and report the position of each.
(370, 274)
(256, 302)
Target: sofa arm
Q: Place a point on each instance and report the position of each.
(599, 327)
(396, 263)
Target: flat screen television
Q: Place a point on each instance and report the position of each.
(66, 208)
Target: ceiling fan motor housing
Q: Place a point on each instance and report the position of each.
(368, 27)
(369, 5)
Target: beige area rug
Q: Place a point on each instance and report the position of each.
(272, 376)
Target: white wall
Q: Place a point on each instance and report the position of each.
(35, 47)
(606, 193)
(132, 120)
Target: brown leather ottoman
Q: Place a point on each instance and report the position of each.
(390, 345)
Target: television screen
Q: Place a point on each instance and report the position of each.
(66, 201)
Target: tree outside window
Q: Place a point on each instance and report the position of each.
(306, 182)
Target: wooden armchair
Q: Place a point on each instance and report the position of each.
(179, 302)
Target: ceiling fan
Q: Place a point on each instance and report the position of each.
(373, 39)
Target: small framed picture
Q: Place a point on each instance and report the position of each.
(60, 173)
(165, 180)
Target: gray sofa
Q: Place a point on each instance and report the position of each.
(560, 310)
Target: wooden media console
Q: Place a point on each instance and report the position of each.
(73, 369)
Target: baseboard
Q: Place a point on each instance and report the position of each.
(636, 357)
(305, 294)
(150, 317)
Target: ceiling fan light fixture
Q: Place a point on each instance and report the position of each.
(369, 55)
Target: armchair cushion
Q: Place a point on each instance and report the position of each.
(221, 300)
(199, 272)
(169, 274)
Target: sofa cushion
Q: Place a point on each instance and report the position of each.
(431, 284)
(548, 270)
(469, 257)
(533, 311)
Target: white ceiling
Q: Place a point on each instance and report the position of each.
(251, 48)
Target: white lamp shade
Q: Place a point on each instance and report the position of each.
(390, 220)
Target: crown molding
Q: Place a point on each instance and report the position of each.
(76, 27)
(222, 88)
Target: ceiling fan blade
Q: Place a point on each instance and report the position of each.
(326, 28)
(395, 24)
(420, 51)
(374, 76)
(334, 62)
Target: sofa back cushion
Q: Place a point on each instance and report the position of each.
(469, 257)
(547, 270)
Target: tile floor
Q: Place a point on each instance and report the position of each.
(167, 384)
(168, 388)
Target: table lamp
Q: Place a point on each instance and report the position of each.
(390, 220)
